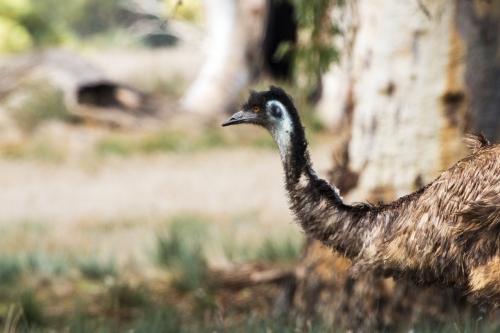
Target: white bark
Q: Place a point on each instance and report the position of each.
(405, 82)
(337, 82)
(231, 27)
(414, 76)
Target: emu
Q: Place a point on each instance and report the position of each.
(445, 234)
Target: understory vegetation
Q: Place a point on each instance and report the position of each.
(46, 105)
(41, 291)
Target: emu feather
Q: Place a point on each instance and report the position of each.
(447, 233)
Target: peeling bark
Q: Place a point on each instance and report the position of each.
(414, 77)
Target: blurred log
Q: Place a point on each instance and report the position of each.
(247, 275)
(87, 92)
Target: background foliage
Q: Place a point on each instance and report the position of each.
(315, 50)
(27, 24)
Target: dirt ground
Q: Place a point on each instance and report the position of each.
(114, 205)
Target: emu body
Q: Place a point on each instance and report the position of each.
(447, 233)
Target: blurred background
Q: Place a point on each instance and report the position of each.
(124, 206)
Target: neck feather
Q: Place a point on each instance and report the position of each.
(316, 203)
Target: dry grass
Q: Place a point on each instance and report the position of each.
(178, 141)
(39, 150)
(43, 102)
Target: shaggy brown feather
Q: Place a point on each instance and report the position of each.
(474, 141)
(446, 233)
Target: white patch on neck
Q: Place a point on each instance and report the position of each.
(281, 129)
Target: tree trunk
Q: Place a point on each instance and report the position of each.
(234, 44)
(243, 36)
(86, 92)
(414, 77)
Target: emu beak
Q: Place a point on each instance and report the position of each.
(240, 117)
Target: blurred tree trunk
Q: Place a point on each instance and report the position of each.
(243, 36)
(414, 77)
(234, 45)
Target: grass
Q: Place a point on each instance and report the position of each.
(174, 87)
(32, 309)
(40, 150)
(123, 296)
(168, 318)
(43, 264)
(178, 141)
(48, 285)
(266, 142)
(184, 141)
(272, 250)
(47, 151)
(164, 141)
(114, 146)
(179, 249)
(165, 319)
(465, 324)
(95, 269)
(189, 238)
(126, 303)
(11, 270)
(44, 102)
(283, 247)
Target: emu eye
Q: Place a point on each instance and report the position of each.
(256, 109)
(276, 111)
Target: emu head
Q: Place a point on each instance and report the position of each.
(274, 110)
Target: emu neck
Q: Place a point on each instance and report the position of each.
(292, 146)
(316, 203)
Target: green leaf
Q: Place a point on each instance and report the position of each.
(283, 50)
